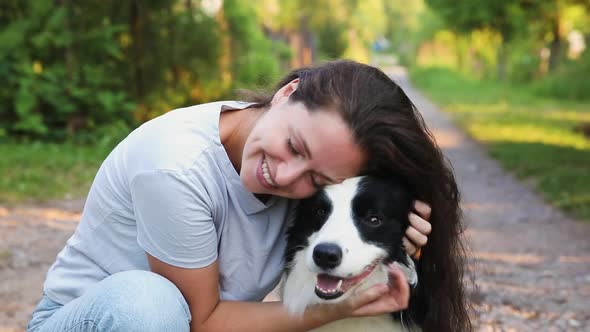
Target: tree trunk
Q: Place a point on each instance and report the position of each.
(296, 44)
(301, 43)
(225, 59)
(174, 67)
(136, 48)
(76, 120)
(556, 44)
(307, 52)
(68, 50)
(501, 66)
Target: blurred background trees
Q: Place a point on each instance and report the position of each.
(73, 69)
(514, 40)
(77, 76)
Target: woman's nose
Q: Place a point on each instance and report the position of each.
(290, 171)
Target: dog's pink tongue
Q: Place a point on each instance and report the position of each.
(327, 282)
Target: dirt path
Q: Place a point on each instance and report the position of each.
(30, 238)
(531, 263)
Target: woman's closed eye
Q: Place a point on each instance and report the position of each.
(292, 148)
(315, 182)
(319, 181)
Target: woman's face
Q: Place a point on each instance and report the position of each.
(292, 152)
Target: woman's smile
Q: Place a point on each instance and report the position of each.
(264, 175)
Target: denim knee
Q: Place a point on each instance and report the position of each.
(126, 301)
(143, 301)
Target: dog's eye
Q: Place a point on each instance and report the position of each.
(373, 221)
(320, 212)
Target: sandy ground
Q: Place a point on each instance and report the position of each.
(531, 263)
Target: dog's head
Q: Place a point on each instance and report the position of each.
(343, 238)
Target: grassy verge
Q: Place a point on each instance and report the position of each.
(529, 135)
(42, 171)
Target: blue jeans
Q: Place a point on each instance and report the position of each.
(125, 301)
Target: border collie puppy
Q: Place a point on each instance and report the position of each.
(341, 241)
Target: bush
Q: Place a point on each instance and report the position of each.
(256, 58)
(57, 79)
(570, 81)
(72, 68)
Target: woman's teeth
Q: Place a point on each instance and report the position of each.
(266, 174)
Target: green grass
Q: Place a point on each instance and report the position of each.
(34, 172)
(532, 136)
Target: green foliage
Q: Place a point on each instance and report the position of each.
(504, 16)
(525, 29)
(171, 54)
(58, 80)
(523, 60)
(409, 24)
(532, 136)
(256, 59)
(79, 66)
(40, 171)
(570, 81)
(332, 40)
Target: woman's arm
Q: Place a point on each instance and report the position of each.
(200, 289)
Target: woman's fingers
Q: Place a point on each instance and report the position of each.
(423, 209)
(419, 229)
(365, 298)
(395, 298)
(399, 287)
(420, 224)
(417, 238)
(409, 246)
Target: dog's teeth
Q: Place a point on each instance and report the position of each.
(339, 285)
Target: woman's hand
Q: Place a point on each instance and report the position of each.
(392, 297)
(377, 300)
(419, 229)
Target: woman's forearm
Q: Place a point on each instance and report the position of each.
(229, 316)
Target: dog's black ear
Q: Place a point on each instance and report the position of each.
(305, 220)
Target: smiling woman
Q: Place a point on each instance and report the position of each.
(184, 225)
(291, 152)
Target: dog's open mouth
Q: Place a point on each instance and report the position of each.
(332, 287)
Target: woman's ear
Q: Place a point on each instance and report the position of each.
(283, 93)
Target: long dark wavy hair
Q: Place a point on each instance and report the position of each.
(388, 127)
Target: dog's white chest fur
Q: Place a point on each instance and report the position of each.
(298, 293)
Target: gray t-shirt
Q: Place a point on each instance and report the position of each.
(169, 189)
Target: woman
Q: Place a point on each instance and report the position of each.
(201, 197)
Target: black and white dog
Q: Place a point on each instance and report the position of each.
(341, 242)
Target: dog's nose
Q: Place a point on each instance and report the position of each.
(327, 255)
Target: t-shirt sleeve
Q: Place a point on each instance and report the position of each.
(174, 219)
